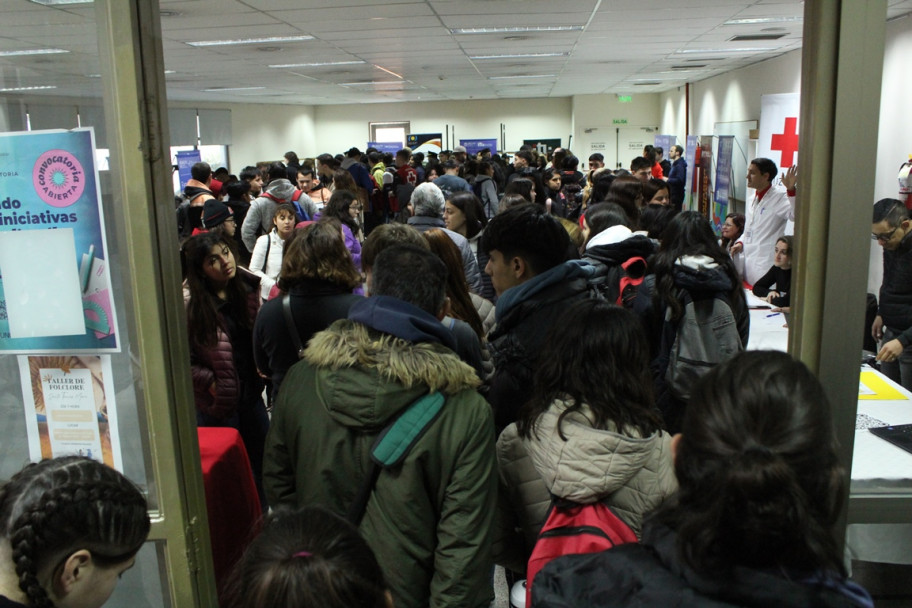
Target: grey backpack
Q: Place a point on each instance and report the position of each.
(706, 335)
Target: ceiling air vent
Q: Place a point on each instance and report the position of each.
(646, 84)
(749, 37)
(689, 66)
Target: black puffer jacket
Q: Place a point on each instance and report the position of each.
(651, 574)
(895, 302)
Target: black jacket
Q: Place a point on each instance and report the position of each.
(895, 302)
(651, 574)
(779, 277)
(524, 315)
(315, 305)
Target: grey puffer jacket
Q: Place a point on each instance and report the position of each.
(631, 474)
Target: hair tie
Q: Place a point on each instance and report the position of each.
(303, 554)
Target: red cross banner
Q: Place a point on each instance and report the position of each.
(779, 129)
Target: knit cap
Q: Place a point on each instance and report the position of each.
(214, 213)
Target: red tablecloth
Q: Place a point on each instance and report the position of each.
(231, 497)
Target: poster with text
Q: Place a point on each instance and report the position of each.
(55, 286)
(389, 147)
(474, 146)
(723, 182)
(185, 161)
(544, 146)
(425, 142)
(69, 407)
(690, 155)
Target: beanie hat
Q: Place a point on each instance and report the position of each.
(214, 213)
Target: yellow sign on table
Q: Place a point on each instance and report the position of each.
(873, 387)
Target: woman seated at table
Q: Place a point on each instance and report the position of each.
(780, 275)
(732, 229)
(761, 489)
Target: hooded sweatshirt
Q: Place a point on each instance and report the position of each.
(259, 216)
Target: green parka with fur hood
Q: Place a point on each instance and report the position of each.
(430, 519)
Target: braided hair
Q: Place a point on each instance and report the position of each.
(58, 506)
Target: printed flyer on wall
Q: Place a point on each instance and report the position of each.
(69, 407)
(55, 287)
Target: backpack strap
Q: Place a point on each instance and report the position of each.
(290, 323)
(393, 444)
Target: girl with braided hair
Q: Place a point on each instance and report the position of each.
(308, 557)
(70, 526)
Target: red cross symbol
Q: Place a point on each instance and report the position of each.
(787, 142)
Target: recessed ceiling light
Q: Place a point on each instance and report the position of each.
(373, 83)
(756, 20)
(316, 64)
(522, 76)
(268, 39)
(59, 2)
(513, 30)
(168, 14)
(228, 89)
(520, 56)
(32, 52)
(38, 88)
(733, 50)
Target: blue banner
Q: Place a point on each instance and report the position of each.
(665, 142)
(690, 155)
(390, 147)
(55, 291)
(474, 146)
(185, 161)
(723, 181)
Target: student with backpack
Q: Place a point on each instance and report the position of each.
(619, 255)
(588, 436)
(694, 311)
(761, 490)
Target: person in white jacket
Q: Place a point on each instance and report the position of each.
(769, 212)
(266, 258)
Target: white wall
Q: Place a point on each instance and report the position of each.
(595, 129)
(339, 127)
(894, 143)
(730, 97)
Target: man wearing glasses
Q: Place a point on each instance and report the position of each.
(893, 324)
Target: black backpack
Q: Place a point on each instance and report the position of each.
(620, 283)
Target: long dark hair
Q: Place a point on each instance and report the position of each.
(599, 358)
(308, 557)
(202, 309)
(457, 289)
(474, 213)
(688, 233)
(760, 481)
(56, 507)
(337, 207)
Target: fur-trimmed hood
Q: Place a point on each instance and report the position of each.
(365, 376)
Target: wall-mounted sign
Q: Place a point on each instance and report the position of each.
(619, 121)
(55, 290)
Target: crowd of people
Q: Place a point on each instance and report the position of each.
(425, 356)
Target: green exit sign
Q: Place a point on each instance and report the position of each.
(619, 121)
(625, 98)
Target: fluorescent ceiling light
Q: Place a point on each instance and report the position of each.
(757, 20)
(734, 50)
(265, 40)
(522, 76)
(15, 89)
(513, 30)
(520, 56)
(390, 72)
(59, 2)
(317, 64)
(227, 89)
(372, 83)
(32, 52)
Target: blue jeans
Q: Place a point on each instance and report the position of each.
(900, 370)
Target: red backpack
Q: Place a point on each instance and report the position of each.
(572, 528)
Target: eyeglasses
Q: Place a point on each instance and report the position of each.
(229, 219)
(886, 236)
